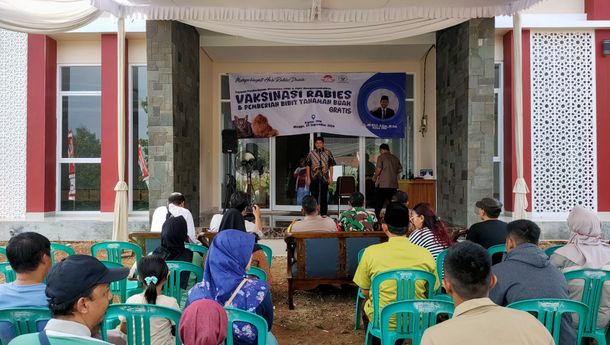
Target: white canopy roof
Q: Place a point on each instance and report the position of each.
(311, 10)
(314, 22)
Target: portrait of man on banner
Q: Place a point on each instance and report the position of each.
(382, 104)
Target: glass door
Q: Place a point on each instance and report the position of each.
(346, 150)
(289, 150)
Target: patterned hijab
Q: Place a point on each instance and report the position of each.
(585, 247)
(225, 266)
(204, 322)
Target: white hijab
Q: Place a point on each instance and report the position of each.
(585, 247)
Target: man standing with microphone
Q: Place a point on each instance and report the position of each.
(319, 169)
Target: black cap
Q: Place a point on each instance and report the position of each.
(384, 98)
(396, 216)
(76, 274)
(488, 203)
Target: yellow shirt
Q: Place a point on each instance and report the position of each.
(481, 322)
(397, 253)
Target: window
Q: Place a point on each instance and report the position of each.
(498, 171)
(252, 160)
(79, 138)
(138, 167)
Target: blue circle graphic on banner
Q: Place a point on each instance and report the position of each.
(381, 104)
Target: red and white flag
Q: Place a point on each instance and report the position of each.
(142, 164)
(71, 167)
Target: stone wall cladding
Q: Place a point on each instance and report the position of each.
(465, 118)
(173, 125)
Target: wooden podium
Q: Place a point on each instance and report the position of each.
(419, 190)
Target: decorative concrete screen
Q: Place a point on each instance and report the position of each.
(564, 165)
(13, 107)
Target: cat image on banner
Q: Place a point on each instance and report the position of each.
(258, 128)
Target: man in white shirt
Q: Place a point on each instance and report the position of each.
(175, 207)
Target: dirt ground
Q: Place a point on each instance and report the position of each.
(321, 316)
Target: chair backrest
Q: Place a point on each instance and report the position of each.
(238, 315)
(550, 250)
(61, 248)
(114, 250)
(440, 259)
(137, 317)
(258, 273)
(268, 253)
(7, 271)
(198, 248)
(119, 287)
(25, 320)
(405, 281)
(550, 311)
(172, 284)
(346, 185)
(3, 253)
(498, 248)
(592, 292)
(412, 317)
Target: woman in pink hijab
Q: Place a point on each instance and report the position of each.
(203, 322)
(585, 250)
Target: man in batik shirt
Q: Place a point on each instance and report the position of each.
(319, 169)
(357, 218)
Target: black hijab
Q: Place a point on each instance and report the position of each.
(173, 235)
(232, 220)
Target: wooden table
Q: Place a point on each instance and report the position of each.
(419, 190)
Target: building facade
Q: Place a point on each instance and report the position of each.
(59, 128)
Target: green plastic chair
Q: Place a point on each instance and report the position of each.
(440, 259)
(412, 317)
(137, 317)
(24, 320)
(405, 290)
(7, 271)
(118, 288)
(3, 253)
(591, 296)
(550, 250)
(258, 273)
(498, 248)
(550, 311)
(62, 248)
(238, 315)
(359, 296)
(268, 253)
(172, 285)
(114, 249)
(443, 297)
(198, 248)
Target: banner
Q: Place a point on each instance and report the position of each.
(71, 167)
(358, 104)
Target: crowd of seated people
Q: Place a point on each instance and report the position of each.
(76, 290)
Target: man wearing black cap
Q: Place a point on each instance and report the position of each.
(490, 231)
(78, 290)
(383, 112)
(397, 253)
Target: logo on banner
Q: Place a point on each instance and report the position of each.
(328, 78)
